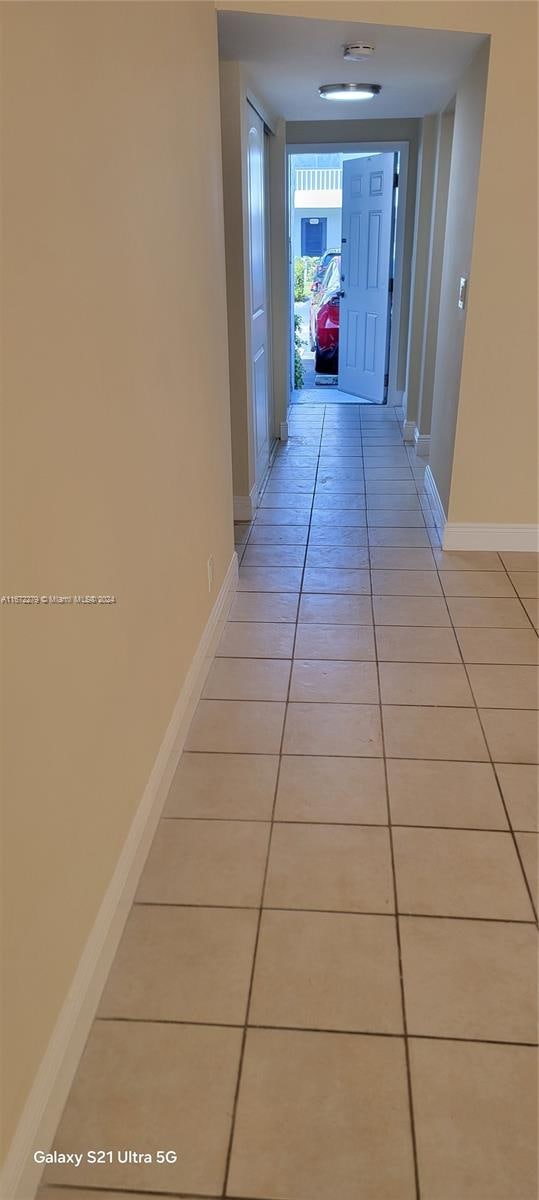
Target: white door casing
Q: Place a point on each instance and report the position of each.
(258, 292)
(367, 234)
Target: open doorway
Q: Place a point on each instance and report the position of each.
(343, 235)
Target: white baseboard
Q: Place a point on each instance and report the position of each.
(408, 430)
(431, 489)
(245, 506)
(43, 1109)
(422, 443)
(466, 536)
(283, 431)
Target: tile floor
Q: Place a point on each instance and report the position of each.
(326, 989)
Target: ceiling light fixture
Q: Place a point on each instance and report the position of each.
(349, 91)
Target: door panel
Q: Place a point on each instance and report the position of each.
(367, 227)
(258, 291)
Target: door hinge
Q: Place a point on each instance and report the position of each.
(386, 381)
(390, 287)
(396, 179)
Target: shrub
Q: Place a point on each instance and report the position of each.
(298, 365)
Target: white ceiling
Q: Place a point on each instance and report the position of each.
(288, 57)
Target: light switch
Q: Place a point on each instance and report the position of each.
(463, 286)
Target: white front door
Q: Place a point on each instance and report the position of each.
(258, 292)
(367, 233)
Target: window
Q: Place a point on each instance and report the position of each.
(313, 236)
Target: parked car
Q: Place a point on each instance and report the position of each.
(324, 326)
(322, 268)
(316, 291)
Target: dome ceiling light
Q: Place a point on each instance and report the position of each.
(349, 91)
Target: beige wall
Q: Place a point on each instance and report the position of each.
(444, 141)
(461, 207)
(419, 286)
(232, 93)
(117, 449)
(494, 470)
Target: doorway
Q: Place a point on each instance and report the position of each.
(345, 222)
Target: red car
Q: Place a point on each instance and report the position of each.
(324, 320)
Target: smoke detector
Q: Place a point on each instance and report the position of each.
(358, 52)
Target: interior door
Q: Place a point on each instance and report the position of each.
(258, 291)
(367, 233)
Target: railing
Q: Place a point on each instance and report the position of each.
(318, 179)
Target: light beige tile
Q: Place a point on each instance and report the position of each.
(476, 583)
(396, 536)
(277, 535)
(411, 610)
(237, 786)
(395, 518)
(400, 643)
(337, 556)
(75, 1193)
(504, 687)
(327, 971)
(314, 788)
(151, 1086)
(525, 583)
(282, 516)
(345, 868)
(484, 984)
(459, 873)
(240, 726)
(402, 558)
(444, 793)
(334, 642)
(247, 679)
(532, 609)
(467, 560)
(475, 1118)
(420, 732)
(520, 787)
(242, 530)
(487, 612)
(515, 560)
(335, 581)
(257, 639)
(349, 729)
(424, 683)
(264, 606)
(205, 862)
(333, 529)
(406, 503)
(182, 964)
(405, 583)
(336, 610)
(322, 1116)
(269, 579)
(274, 556)
(512, 734)
(328, 681)
(512, 646)
(529, 847)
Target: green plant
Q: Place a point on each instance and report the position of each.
(299, 280)
(298, 365)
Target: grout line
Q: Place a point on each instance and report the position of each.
(339, 911)
(397, 926)
(266, 867)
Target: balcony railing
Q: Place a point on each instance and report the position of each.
(318, 179)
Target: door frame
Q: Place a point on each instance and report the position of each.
(249, 98)
(399, 335)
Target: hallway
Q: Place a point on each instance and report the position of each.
(326, 986)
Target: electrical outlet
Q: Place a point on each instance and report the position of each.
(210, 573)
